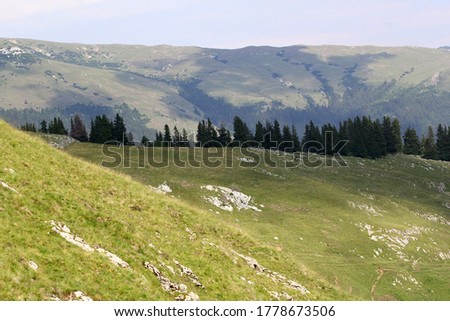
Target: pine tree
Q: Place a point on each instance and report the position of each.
(259, 132)
(358, 147)
(101, 130)
(119, 130)
(267, 140)
(344, 135)
(145, 141)
(411, 144)
(158, 139)
(443, 142)
(396, 132)
(211, 134)
(241, 132)
(295, 139)
(376, 140)
(56, 126)
(201, 133)
(430, 150)
(167, 139)
(224, 137)
(176, 136)
(77, 129)
(184, 138)
(392, 135)
(43, 128)
(276, 133)
(28, 127)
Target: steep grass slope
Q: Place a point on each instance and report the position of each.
(374, 229)
(67, 226)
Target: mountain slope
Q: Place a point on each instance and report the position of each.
(69, 226)
(375, 229)
(180, 85)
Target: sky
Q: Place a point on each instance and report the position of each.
(230, 23)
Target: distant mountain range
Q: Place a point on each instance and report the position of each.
(181, 85)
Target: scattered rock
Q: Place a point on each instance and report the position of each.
(79, 296)
(64, 231)
(169, 286)
(33, 265)
(192, 235)
(59, 141)
(9, 170)
(283, 296)
(192, 297)
(188, 272)
(162, 188)
(166, 284)
(246, 160)
(276, 277)
(433, 217)
(8, 187)
(268, 173)
(231, 198)
(369, 210)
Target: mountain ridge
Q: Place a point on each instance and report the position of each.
(411, 83)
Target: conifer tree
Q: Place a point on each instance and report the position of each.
(376, 141)
(145, 141)
(295, 139)
(241, 131)
(411, 144)
(184, 138)
(259, 132)
(396, 131)
(358, 147)
(276, 133)
(167, 139)
(430, 150)
(43, 128)
(77, 129)
(443, 142)
(101, 130)
(224, 137)
(176, 136)
(119, 130)
(56, 126)
(201, 133)
(28, 127)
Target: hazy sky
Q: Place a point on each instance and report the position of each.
(230, 23)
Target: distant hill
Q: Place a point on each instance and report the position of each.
(180, 85)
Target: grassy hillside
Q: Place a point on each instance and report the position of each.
(295, 83)
(67, 225)
(374, 229)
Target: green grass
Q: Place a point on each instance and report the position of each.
(123, 216)
(318, 217)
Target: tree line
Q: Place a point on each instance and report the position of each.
(102, 129)
(366, 138)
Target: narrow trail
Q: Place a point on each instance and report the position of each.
(380, 272)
